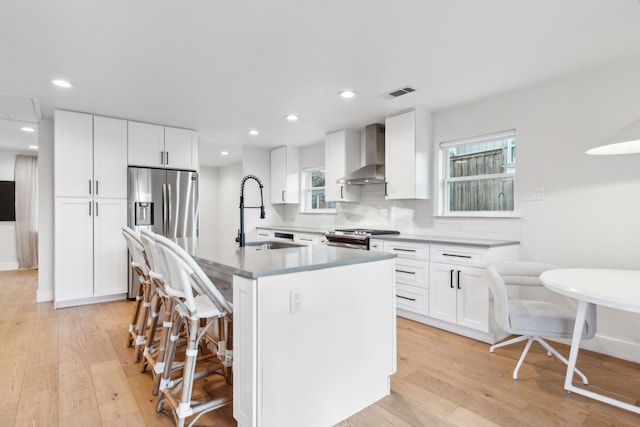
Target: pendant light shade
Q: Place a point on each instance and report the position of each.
(627, 141)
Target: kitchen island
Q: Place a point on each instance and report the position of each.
(314, 330)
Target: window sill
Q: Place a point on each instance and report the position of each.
(479, 215)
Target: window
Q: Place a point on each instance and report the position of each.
(479, 174)
(313, 195)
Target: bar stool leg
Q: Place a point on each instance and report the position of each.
(133, 325)
(148, 354)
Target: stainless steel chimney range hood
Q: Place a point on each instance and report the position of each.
(373, 170)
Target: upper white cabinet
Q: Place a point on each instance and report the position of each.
(181, 148)
(285, 175)
(90, 156)
(342, 156)
(407, 154)
(162, 147)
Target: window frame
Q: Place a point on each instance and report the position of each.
(306, 189)
(445, 179)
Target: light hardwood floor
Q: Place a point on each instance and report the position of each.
(70, 367)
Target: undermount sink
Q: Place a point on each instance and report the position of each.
(272, 245)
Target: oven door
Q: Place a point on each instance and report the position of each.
(346, 245)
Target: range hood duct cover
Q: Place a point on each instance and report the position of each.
(373, 170)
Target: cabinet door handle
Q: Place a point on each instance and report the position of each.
(342, 191)
(407, 298)
(162, 157)
(459, 280)
(283, 195)
(451, 278)
(97, 187)
(385, 190)
(90, 208)
(96, 208)
(405, 271)
(306, 240)
(166, 156)
(404, 250)
(458, 256)
(89, 186)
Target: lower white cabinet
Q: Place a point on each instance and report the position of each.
(460, 295)
(308, 239)
(444, 285)
(90, 252)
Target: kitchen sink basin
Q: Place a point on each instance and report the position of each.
(272, 245)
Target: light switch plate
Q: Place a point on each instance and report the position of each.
(534, 193)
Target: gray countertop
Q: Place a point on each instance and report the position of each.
(253, 263)
(448, 240)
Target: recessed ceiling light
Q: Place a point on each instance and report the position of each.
(28, 129)
(292, 117)
(33, 147)
(224, 153)
(253, 132)
(62, 83)
(347, 94)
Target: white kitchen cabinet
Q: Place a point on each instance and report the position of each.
(459, 294)
(109, 249)
(90, 182)
(181, 147)
(342, 156)
(411, 275)
(90, 156)
(376, 245)
(407, 156)
(285, 175)
(162, 147)
(109, 157)
(308, 239)
(73, 249)
(90, 252)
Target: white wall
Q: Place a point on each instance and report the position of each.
(8, 251)
(591, 214)
(45, 211)
(208, 199)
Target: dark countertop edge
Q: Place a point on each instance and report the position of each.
(459, 241)
(380, 256)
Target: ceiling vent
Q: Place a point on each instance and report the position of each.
(398, 92)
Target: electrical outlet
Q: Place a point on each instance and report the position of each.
(534, 193)
(296, 300)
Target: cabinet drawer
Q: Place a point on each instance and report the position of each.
(459, 255)
(407, 250)
(306, 239)
(261, 232)
(376, 245)
(412, 272)
(412, 298)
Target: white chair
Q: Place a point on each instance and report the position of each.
(532, 319)
(154, 352)
(137, 327)
(196, 300)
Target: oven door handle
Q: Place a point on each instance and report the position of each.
(346, 245)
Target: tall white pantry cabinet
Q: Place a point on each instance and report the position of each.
(90, 182)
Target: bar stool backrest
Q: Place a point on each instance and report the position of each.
(155, 257)
(184, 268)
(136, 249)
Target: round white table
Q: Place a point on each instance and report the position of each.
(611, 288)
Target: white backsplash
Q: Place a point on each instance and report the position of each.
(407, 216)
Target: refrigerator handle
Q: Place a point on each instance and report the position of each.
(169, 213)
(164, 209)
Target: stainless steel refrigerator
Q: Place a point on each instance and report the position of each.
(165, 201)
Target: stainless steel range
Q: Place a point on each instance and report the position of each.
(356, 238)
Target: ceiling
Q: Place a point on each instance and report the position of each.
(224, 67)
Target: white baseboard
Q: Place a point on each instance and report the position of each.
(7, 266)
(611, 347)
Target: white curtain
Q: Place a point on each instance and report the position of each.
(26, 177)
